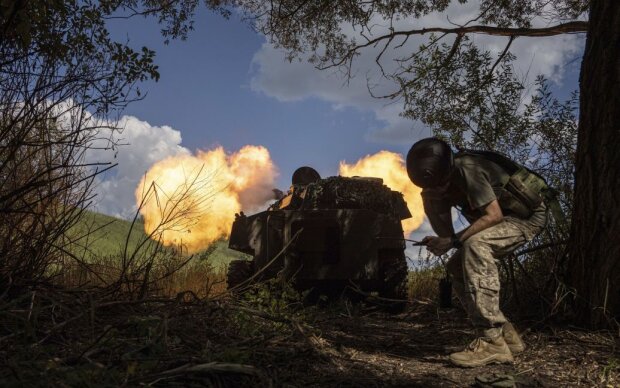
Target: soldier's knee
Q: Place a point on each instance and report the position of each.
(473, 243)
(474, 249)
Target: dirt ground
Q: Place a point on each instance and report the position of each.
(229, 343)
(364, 347)
(410, 350)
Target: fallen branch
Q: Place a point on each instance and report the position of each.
(214, 368)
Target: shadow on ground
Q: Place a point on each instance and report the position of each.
(411, 349)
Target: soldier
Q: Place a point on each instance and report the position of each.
(304, 176)
(293, 198)
(503, 203)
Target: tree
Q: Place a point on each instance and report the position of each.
(431, 78)
(58, 72)
(595, 246)
(62, 81)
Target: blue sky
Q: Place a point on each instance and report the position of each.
(226, 86)
(205, 92)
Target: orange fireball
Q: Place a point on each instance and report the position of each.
(390, 167)
(190, 201)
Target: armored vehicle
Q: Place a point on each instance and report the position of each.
(327, 236)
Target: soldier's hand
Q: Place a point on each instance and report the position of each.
(438, 245)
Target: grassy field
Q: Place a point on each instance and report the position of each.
(106, 236)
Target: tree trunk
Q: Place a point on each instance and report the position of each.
(594, 252)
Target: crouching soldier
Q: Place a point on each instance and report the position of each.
(503, 203)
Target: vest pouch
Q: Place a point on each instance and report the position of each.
(526, 188)
(513, 206)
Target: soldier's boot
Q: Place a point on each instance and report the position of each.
(512, 338)
(483, 351)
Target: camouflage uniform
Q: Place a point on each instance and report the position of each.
(474, 273)
(473, 268)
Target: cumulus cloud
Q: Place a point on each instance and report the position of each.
(140, 145)
(298, 80)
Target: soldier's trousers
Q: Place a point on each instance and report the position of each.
(474, 273)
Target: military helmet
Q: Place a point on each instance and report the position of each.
(305, 175)
(429, 162)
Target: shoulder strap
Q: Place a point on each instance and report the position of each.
(502, 160)
(496, 157)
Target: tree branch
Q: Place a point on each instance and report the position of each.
(564, 28)
(502, 55)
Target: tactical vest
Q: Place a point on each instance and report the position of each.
(524, 190)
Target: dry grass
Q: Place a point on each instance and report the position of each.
(170, 322)
(164, 276)
(68, 339)
(423, 282)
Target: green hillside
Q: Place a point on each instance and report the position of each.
(103, 235)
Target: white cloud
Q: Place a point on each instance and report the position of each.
(298, 80)
(134, 145)
(140, 146)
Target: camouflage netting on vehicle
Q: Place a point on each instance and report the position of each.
(354, 193)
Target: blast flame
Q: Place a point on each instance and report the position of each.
(190, 201)
(391, 168)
